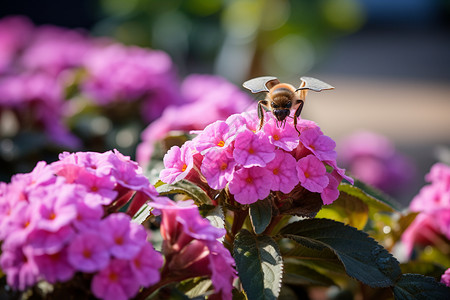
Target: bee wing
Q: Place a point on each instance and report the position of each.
(259, 84)
(313, 84)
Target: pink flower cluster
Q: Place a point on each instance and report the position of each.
(56, 221)
(206, 99)
(191, 246)
(253, 163)
(372, 158)
(433, 205)
(119, 73)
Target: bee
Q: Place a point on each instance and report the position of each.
(282, 97)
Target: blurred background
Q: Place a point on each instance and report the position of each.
(389, 62)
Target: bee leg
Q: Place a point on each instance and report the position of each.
(261, 112)
(297, 114)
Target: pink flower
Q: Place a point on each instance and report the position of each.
(251, 184)
(320, 145)
(116, 281)
(178, 162)
(285, 138)
(100, 190)
(19, 267)
(218, 167)
(445, 278)
(221, 266)
(331, 192)
(312, 174)
(284, 173)
(88, 252)
(145, 266)
(46, 242)
(423, 231)
(123, 238)
(252, 150)
(55, 267)
(217, 135)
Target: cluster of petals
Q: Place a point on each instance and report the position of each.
(191, 245)
(433, 205)
(373, 158)
(255, 162)
(205, 98)
(53, 224)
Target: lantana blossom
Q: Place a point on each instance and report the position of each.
(178, 162)
(263, 160)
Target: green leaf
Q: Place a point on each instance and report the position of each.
(261, 215)
(187, 188)
(347, 209)
(363, 258)
(195, 287)
(323, 259)
(259, 265)
(415, 286)
(426, 268)
(299, 274)
(374, 198)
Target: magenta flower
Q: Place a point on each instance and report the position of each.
(445, 278)
(116, 281)
(331, 192)
(222, 272)
(47, 242)
(19, 267)
(284, 174)
(88, 252)
(285, 138)
(252, 150)
(178, 163)
(218, 167)
(217, 135)
(251, 184)
(145, 266)
(55, 267)
(88, 216)
(312, 174)
(123, 238)
(320, 145)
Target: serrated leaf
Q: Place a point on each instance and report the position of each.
(426, 268)
(187, 188)
(374, 198)
(298, 274)
(261, 215)
(347, 209)
(259, 265)
(363, 258)
(324, 259)
(415, 286)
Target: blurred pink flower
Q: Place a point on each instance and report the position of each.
(37, 100)
(204, 99)
(218, 167)
(53, 49)
(191, 247)
(120, 73)
(445, 278)
(15, 33)
(433, 205)
(55, 267)
(145, 265)
(373, 159)
(116, 281)
(88, 252)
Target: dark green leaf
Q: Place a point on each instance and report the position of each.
(415, 286)
(261, 215)
(363, 258)
(298, 274)
(374, 198)
(426, 268)
(187, 188)
(259, 265)
(324, 259)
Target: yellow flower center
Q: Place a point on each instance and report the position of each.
(307, 175)
(249, 180)
(184, 168)
(223, 166)
(221, 144)
(276, 137)
(251, 151)
(276, 171)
